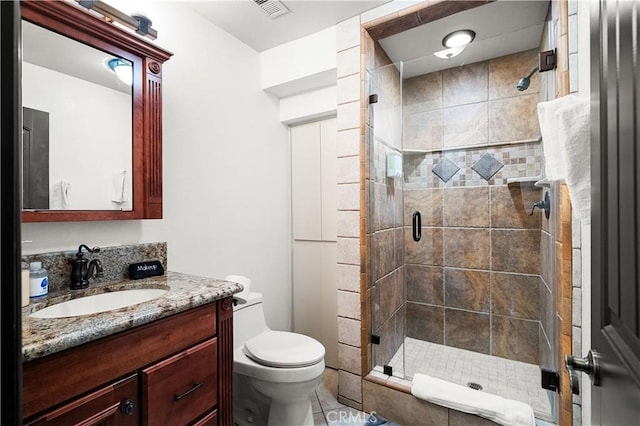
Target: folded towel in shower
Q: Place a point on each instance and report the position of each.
(60, 195)
(493, 407)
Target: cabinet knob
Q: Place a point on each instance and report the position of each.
(128, 407)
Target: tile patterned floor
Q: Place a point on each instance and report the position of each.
(327, 411)
(499, 376)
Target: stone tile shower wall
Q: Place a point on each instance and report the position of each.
(473, 280)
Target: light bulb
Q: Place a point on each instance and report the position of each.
(123, 70)
(458, 38)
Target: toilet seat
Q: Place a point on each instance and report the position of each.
(281, 349)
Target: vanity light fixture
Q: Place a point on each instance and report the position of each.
(458, 38)
(137, 22)
(123, 70)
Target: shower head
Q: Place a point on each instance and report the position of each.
(524, 82)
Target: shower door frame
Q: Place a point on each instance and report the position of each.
(376, 97)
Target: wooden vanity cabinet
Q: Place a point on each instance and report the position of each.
(113, 405)
(174, 371)
(178, 390)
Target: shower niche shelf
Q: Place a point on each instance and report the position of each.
(539, 181)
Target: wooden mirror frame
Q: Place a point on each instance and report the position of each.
(79, 24)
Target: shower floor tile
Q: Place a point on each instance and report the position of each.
(498, 376)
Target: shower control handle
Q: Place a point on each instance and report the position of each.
(589, 365)
(544, 205)
(417, 226)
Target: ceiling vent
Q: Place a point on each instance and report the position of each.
(273, 8)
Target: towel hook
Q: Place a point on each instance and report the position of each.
(543, 205)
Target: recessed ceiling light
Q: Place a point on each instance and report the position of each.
(458, 38)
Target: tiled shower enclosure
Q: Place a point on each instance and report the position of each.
(474, 280)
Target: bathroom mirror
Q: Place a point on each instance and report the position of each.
(92, 143)
(69, 92)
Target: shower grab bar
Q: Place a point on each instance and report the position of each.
(417, 226)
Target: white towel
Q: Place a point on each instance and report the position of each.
(564, 124)
(493, 407)
(118, 186)
(553, 161)
(59, 199)
(574, 128)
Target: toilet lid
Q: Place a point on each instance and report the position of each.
(284, 350)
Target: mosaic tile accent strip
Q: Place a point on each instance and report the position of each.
(520, 160)
(487, 166)
(445, 169)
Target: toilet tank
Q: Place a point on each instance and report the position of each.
(248, 320)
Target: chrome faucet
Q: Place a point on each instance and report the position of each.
(82, 269)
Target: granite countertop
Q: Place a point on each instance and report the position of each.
(41, 337)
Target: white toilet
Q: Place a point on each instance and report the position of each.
(274, 372)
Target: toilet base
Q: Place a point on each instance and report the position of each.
(264, 403)
(250, 408)
(290, 402)
(290, 413)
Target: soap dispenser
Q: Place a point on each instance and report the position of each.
(25, 288)
(38, 280)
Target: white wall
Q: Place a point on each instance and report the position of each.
(309, 106)
(226, 168)
(304, 64)
(81, 152)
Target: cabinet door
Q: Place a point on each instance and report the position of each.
(305, 182)
(329, 178)
(181, 388)
(314, 181)
(113, 405)
(315, 311)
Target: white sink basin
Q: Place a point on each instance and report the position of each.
(98, 303)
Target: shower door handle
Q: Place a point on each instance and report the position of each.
(417, 226)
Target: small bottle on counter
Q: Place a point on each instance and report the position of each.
(38, 282)
(25, 291)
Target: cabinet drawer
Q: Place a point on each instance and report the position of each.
(113, 405)
(181, 388)
(210, 419)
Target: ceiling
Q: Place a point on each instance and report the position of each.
(502, 27)
(247, 22)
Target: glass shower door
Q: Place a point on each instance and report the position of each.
(386, 233)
